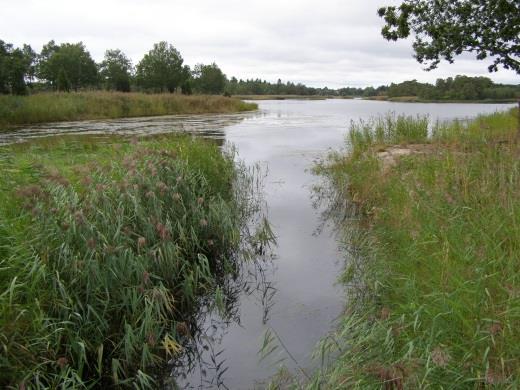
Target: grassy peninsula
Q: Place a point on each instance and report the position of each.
(106, 249)
(432, 233)
(55, 107)
(281, 97)
(417, 99)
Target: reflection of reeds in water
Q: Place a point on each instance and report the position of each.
(202, 364)
(210, 126)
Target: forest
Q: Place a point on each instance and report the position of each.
(457, 88)
(70, 67)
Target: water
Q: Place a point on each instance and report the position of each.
(285, 137)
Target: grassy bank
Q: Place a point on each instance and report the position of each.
(280, 97)
(291, 97)
(106, 248)
(416, 99)
(433, 266)
(55, 107)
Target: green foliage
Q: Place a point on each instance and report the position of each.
(458, 88)
(446, 28)
(16, 67)
(262, 87)
(161, 69)
(54, 107)
(432, 270)
(105, 250)
(209, 79)
(407, 88)
(115, 71)
(390, 129)
(67, 66)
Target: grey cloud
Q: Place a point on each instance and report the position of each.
(327, 42)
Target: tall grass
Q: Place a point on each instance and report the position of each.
(103, 262)
(433, 265)
(54, 107)
(390, 129)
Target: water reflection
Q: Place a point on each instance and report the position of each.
(203, 364)
(206, 125)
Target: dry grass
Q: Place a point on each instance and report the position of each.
(55, 107)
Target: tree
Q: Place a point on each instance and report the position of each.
(446, 28)
(209, 79)
(5, 49)
(67, 66)
(16, 66)
(115, 71)
(31, 58)
(161, 69)
(18, 69)
(186, 85)
(44, 67)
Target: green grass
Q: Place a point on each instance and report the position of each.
(55, 107)
(433, 265)
(416, 99)
(106, 248)
(281, 97)
(390, 129)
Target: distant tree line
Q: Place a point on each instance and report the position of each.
(263, 87)
(458, 88)
(70, 67)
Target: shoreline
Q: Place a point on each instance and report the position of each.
(128, 227)
(421, 267)
(281, 97)
(398, 99)
(414, 99)
(81, 106)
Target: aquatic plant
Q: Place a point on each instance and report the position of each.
(389, 129)
(432, 256)
(103, 264)
(55, 107)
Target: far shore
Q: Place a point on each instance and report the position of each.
(398, 99)
(415, 99)
(281, 97)
(60, 107)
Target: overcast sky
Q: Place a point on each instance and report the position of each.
(330, 43)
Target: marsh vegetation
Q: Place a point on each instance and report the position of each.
(108, 248)
(57, 107)
(432, 254)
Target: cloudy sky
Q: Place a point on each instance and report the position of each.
(319, 43)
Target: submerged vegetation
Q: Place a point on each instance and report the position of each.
(54, 107)
(106, 248)
(431, 231)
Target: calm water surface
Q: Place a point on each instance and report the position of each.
(303, 300)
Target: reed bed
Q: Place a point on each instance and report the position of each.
(390, 129)
(56, 107)
(105, 250)
(433, 257)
